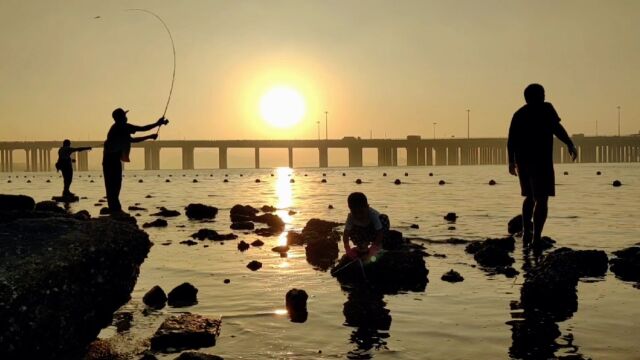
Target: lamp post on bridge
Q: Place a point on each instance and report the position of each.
(318, 123)
(434, 130)
(618, 120)
(326, 125)
(468, 116)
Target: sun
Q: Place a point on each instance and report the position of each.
(282, 106)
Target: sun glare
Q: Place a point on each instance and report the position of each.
(282, 106)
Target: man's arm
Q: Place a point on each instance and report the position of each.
(511, 148)
(143, 138)
(81, 149)
(137, 128)
(561, 133)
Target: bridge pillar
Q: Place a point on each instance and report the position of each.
(394, 156)
(10, 159)
(48, 159)
(3, 160)
(290, 158)
(155, 158)
(412, 156)
(441, 156)
(452, 155)
(222, 157)
(324, 156)
(34, 159)
(187, 158)
(355, 156)
(257, 157)
(421, 156)
(429, 155)
(147, 158)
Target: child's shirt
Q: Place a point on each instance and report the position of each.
(363, 233)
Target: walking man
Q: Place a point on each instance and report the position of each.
(530, 148)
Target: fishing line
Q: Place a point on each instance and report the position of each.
(173, 48)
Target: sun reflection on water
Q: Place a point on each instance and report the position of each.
(284, 193)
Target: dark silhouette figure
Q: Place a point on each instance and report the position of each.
(530, 148)
(116, 150)
(365, 227)
(65, 165)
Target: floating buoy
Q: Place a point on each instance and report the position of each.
(492, 182)
(441, 182)
(397, 182)
(616, 183)
(358, 181)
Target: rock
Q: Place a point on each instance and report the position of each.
(242, 245)
(164, 212)
(430, 174)
(330, 207)
(225, 180)
(136, 208)
(406, 174)
(274, 222)
(185, 331)
(61, 281)
(397, 182)
(451, 217)
(192, 355)
(294, 238)
(155, 298)
(599, 173)
(616, 183)
(415, 226)
(246, 211)
(201, 211)
(140, 181)
(65, 199)
(322, 243)
(452, 276)
(82, 215)
(188, 242)
(156, 223)
(242, 225)
(515, 225)
(296, 304)
(492, 252)
(183, 295)
(268, 209)
(194, 181)
(257, 180)
(358, 181)
(441, 182)
(280, 249)
(257, 243)
(254, 265)
(451, 228)
(148, 197)
(16, 203)
(291, 213)
(167, 181)
(324, 181)
(49, 206)
(492, 182)
(551, 285)
(344, 174)
(291, 181)
(208, 234)
(626, 264)
(227, 281)
(393, 240)
(105, 211)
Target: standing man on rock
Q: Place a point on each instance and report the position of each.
(530, 148)
(116, 150)
(65, 165)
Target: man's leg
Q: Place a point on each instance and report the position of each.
(540, 211)
(112, 181)
(67, 175)
(527, 215)
(117, 184)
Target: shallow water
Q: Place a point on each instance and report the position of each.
(447, 321)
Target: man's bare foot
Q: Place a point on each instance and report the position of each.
(527, 237)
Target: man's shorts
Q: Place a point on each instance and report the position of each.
(537, 180)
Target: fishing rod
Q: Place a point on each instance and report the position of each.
(173, 48)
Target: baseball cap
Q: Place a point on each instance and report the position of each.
(119, 112)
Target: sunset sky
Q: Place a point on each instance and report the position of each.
(391, 68)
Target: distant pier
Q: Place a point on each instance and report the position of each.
(420, 152)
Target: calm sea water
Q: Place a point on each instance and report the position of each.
(447, 321)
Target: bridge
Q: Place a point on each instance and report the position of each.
(420, 152)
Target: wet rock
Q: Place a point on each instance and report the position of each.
(330, 207)
(616, 183)
(105, 211)
(61, 281)
(598, 173)
(225, 180)
(544, 243)
(358, 181)
(194, 181)
(294, 238)
(201, 211)
(257, 181)
(280, 249)
(492, 182)
(244, 211)
(242, 225)
(164, 212)
(322, 243)
(227, 281)
(452, 276)
(188, 242)
(82, 215)
(266, 232)
(254, 265)
(136, 208)
(49, 206)
(185, 331)
(155, 298)
(442, 182)
(296, 304)
(551, 286)
(397, 182)
(493, 252)
(414, 226)
(16, 203)
(291, 181)
(156, 223)
(192, 355)
(393, 240)
(324, 181)
(242, 245)
(257, 243)
(451, 217)
(140, 181)
(65, 199)
(406, 174)
(291, 213)
(183, 295)
(268, 209)
(208, 234)
(274, 222)
(148, 197)
(515, 225)
(626, 264)
(167, 181)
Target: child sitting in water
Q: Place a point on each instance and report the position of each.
(365, 227)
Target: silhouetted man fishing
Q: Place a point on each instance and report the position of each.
(530, 148)
(116, 150)
(65, 165)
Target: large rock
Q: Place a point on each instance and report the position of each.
(493, 252)
(626, 264)
(61, 280)
(274, 222)
(208, 234)
(322, 242)
(296, 303)
(183, 295)
(16, 203)
(514, 226)
(201, 211)
(192, 355)
(243, 210)
(164, 212)
(155, 298)
(185, 331)
(552, 284)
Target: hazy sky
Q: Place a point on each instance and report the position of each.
(390, 67)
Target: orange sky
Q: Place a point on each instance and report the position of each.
(387, 67)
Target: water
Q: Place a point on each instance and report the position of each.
(452, 321)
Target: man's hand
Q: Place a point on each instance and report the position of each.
(513, 169)
(153, 136)
(573, 152)
(162, 121)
